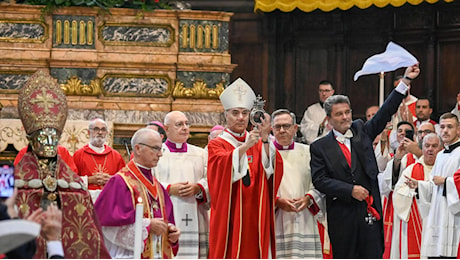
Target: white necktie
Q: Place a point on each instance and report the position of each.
(348, 134)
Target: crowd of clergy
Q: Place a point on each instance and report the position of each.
(258, 189)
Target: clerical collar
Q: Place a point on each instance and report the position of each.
(176, 147)
(450, 148)
(97, 149)
(235, 134)
(284, 147)
(142, 166)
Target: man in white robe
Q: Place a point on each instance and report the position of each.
(182, 171)
(388, 178)
(298, 203)
(314, 123)
(441, 233)
(408, 221)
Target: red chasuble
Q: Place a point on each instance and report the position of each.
(89, 163)
(242, 217)
(81, 232)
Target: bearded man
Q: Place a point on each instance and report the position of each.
(96, 161)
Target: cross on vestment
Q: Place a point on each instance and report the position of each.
(44, 100)
(240, 91)
(186, 219)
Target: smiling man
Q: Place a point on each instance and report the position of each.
(344, 168)
(407, 234)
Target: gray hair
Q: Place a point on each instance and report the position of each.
(432, 135)
(93, 122)
(283, 111)
(333, 100)
(142, 135)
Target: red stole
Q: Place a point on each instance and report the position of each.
(414, 225)
(140, 186)
(411, 108)
(81, 232)
(238, 212)
(346, 152)
(388, 214)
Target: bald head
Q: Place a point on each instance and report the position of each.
(177, 127)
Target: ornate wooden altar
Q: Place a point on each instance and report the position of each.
(126, 66)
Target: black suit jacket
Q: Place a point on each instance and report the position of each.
(332, 176)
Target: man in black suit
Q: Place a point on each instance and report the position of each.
(344, 168)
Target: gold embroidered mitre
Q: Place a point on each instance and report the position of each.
(42, 103)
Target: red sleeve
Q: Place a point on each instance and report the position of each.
(457, 180)
(20, 155)
(67, 158)
(314, 208)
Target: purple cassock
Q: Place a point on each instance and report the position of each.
(114, 206)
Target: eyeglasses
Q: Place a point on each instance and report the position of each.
(428, 131)
(97, 129)
(285, 127)
(325, 90)
(182, 124)
(154, 148)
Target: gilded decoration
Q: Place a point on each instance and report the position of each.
(123, 34)
(203, 36)
(23, 31)
(71, 31)
(74, 86)
(199, 90)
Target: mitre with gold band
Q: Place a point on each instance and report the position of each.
(238, 94)
(42, 103)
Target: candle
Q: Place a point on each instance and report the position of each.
(382, 87)
(138, 229)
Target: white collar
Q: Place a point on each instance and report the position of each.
(97, 149)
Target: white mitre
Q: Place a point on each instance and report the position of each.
(238, 94)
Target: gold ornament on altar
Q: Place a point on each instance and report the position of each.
(42, 103)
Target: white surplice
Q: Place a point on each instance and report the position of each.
(312, 118)
(191, 217)
(402, 203)
(297, 234)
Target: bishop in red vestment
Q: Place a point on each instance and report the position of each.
(244, 173)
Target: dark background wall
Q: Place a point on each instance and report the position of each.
(283, 56)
